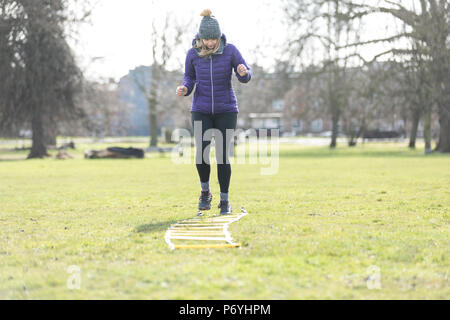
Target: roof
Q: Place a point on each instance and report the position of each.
(265, 115)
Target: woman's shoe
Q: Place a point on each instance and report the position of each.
(205, 201)
(225, 207)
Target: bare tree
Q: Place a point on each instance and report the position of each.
(427, 23)
(106, 114)
(166, 38)
(363, 110)
(258, 96)
(45, 78)
(330, 26)
(413, 84)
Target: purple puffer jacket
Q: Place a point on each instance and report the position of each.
(212, 78)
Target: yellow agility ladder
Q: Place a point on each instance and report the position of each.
(209, 230)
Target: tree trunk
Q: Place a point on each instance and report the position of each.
(152, 104)
(444, 132)
(415, 126)
(50, 133)
(427, 131)
(38, 148)
(335, 127)
(153, 128)
(352, 141)
(361, 130)
(353, 137)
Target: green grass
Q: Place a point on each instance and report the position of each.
(312, 232)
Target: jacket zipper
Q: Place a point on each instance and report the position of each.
(212, 85)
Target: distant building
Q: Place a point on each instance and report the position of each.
(266, 120)
(130, 94)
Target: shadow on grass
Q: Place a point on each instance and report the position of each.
(326, 152)
(154, 227)
(12, 160)
(8, 155)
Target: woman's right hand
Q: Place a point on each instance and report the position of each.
(182, 91)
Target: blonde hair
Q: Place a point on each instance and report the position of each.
(204, 50)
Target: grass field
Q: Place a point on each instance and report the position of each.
(315, 230)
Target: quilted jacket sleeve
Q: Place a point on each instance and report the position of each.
(237, 60)
(189, 74)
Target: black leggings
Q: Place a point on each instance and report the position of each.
(219, 122)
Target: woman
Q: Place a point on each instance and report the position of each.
(209, 66)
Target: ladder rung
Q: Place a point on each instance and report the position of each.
(207, 246)
(197, 224)
(196, 228)
(198, 238)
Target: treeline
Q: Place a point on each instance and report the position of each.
(320, 72)
(416, 59)
(42, 89)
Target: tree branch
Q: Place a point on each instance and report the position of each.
(389, 39)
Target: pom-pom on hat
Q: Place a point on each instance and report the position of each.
(209, 27)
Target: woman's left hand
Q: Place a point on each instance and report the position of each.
(242, 70)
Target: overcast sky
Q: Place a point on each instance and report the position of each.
(118, 37)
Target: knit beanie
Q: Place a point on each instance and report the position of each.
(209, 27)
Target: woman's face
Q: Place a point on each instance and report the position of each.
(210, 43)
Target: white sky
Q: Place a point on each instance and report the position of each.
(119, 36)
